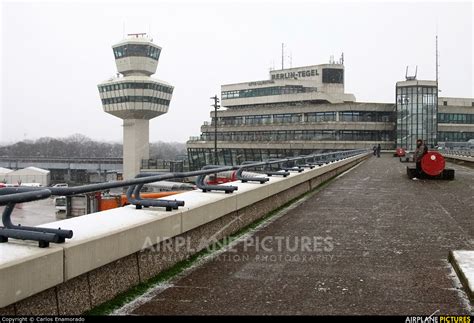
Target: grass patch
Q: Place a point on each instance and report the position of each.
(131, 294)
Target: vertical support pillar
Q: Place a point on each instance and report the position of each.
(136, 145)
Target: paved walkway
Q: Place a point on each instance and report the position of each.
(382, 243)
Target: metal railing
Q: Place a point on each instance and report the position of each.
(171, 165)
(458, 152)
(194, 138)
(11, 196)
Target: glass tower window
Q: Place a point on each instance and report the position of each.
(417, 108)
(137, 50)
(137, 86)
(125, 99)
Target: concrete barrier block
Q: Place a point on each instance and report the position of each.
(309, 174)
(74, 296)
(26, 270)
(202, 208)
(103, 237)
(229, 225)
(157, 258)
(110, 251)
(294, 192)
(463, 264)
(285, 183)
(254, 212)
(210, 233)
(43, 303)
(9, 310)
(315, 182)
(250, 193)
(112, 279)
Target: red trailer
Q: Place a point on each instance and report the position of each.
(433, 166)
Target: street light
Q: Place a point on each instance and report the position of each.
(216, 106)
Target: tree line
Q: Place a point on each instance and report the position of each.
(83, 147)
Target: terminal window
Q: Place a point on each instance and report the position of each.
(333, 75)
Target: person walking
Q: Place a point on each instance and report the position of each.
(378, 150)
(375, 150)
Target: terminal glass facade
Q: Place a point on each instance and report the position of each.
(417, 108)
(253, 128)
(458, 118)
(307, 117)
(266, 91)
(298, 135)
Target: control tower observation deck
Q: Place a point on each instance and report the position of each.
(135, 97)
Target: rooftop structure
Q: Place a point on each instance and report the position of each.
(296, 111)
(316, 83)
(417, 110)
(303, 110)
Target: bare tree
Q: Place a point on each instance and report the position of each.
(81, 146)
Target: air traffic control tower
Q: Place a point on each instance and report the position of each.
(135, 97)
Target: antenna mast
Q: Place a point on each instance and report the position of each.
(437, 64)
(413, 77)
(282, 55)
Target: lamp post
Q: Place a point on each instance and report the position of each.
(216, 106)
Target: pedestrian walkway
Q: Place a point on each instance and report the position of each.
(371, 242)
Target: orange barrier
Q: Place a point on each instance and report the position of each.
(112, 202)
(109, 202)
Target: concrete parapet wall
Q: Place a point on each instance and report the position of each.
(459, 159)
(115, 250)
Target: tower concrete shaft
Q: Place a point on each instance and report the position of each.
(135, 145)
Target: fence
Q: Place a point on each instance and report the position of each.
(11, 196)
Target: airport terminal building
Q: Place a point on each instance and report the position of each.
(304, 110)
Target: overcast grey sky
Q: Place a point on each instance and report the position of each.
(53, 55)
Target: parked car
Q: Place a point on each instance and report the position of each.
(60, 185)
